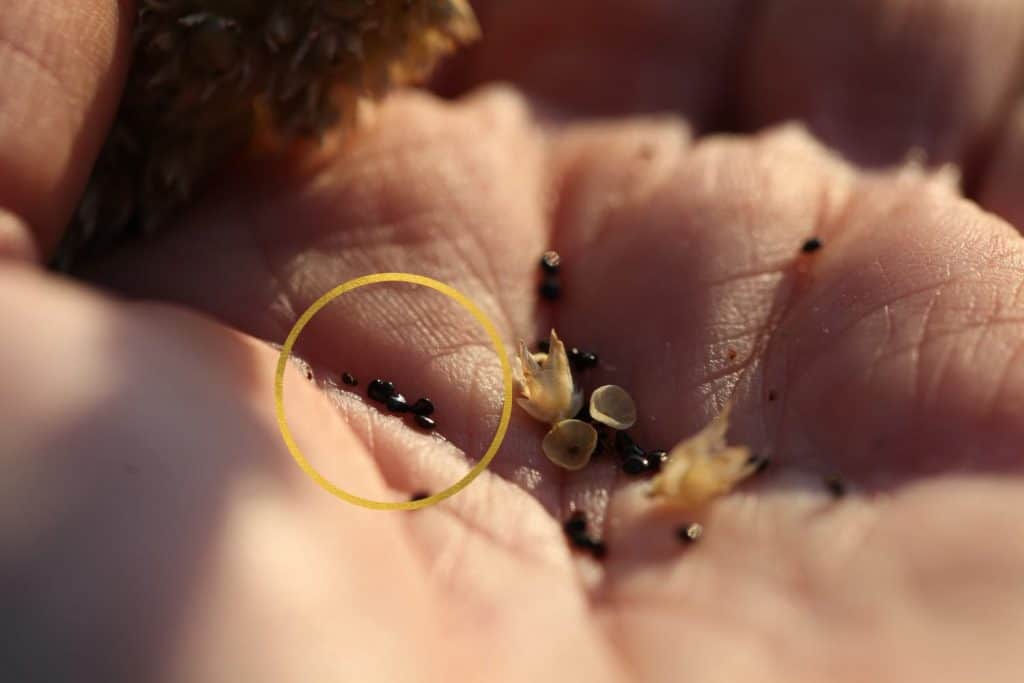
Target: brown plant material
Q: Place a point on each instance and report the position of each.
(214, 78)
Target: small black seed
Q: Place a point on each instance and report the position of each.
(551, 262)
(396, 403)
(349, 379)
(688, 533)
(626, 447)
(635, 464)
(576, 525)
(544, 346)
(423, 406)
(772, 395)
(836, 486)
(551, 288)
(589, 360)
(655, 459)
(426, 422)
(810, 246)
(380, 389)
(419, 495)
(597, 549)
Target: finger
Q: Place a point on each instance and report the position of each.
(15, 238)
(1000, 189)
(154, 523)
(878, 79)
(603, 58)
(62, 65)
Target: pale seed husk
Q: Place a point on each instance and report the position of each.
(613, 406)
(570, 443)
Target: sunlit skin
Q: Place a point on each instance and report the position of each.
(156, 528)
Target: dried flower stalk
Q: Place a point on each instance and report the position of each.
(211, 77)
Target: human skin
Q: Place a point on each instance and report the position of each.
(155, 527)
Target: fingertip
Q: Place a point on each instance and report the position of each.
(16, 240)
(63, 65)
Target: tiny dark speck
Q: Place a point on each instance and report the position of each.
(576, 525)
(551, 289)
(426, 422)
(810, 246)
(349, 379)
(689, 533)
(835, 486)
(772, 395)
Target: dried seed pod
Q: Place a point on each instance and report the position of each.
(546, 384)
(570, 443)
(613, 406)
(703, 466)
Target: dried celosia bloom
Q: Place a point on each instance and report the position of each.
(570, 443)
(703, 466)
(214, 78)
(613, 406)
(546, 384)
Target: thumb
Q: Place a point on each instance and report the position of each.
(61, 69)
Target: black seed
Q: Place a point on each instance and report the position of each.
(426, 422)
(576, 526)
(635, 464)
(835, 486)
(380, 389)
(551, 288)
(597, 549)
(626, 447)
(759, 462)
(772, 395)
(419, 495)
(551, 262)
(423, 406)
(589, 360)
(348, 379)
(810, 246)
(544, 346)
(688, 533)
(396, 403)
(655, 459)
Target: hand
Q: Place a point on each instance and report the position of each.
(157, 528)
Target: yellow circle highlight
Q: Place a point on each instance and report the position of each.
(462, 300)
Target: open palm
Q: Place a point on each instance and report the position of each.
(159, 530)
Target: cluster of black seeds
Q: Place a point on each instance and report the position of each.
(383, 391)
(634, 459)
(211, 79)
(576, 531)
